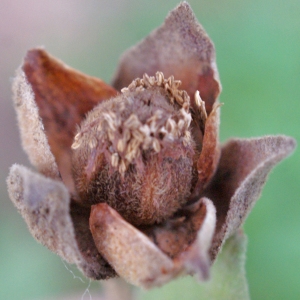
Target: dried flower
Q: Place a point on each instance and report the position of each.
(131, 178)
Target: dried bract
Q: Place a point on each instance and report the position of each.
(131, 179)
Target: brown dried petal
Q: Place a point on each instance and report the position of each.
(242, 171)
(45, 205)
(138, 260)
(180, 47)
(63, 97)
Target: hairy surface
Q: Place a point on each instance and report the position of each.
(136, 152)
(242, 172)
(32, 131)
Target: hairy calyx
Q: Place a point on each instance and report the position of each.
(136, 151)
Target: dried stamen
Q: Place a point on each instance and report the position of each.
(170, 85)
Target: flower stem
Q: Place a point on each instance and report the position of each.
(118, 289)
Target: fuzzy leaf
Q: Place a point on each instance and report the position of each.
(34, 140)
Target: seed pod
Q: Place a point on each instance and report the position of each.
(141, 162)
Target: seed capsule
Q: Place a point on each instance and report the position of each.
(143, 158)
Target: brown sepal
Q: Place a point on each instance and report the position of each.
(241, 174)
(129, 251)
(44, 203)
(63, 96)
(210, 154)
(180, 47)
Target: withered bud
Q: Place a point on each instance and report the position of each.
(136, 151)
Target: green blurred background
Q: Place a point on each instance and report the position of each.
(258, 55)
